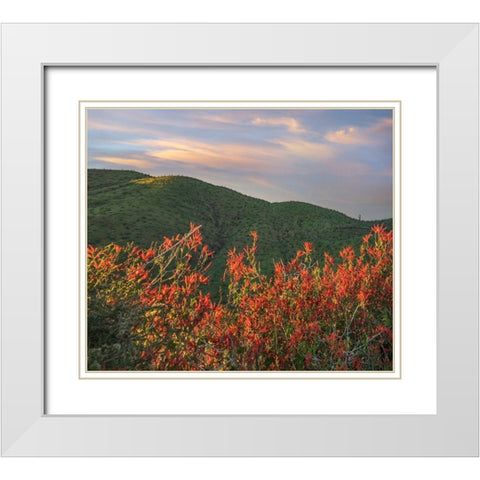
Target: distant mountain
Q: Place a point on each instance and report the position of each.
(126, 206)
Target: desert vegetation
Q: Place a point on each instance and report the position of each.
(149, 308)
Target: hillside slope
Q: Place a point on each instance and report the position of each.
(126, 206)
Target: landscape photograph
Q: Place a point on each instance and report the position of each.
(239, 238)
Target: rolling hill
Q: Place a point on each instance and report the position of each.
(126, 206)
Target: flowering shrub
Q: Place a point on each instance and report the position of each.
(147, 311)
(145, 307)
(307, 317)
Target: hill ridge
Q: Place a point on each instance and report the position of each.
(188, 177)
(129, 206)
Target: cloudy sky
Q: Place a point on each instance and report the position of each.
(335, 158)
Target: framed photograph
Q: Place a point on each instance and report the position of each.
(234, 192)
(244, 244)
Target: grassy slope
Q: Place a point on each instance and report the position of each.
(126, 206)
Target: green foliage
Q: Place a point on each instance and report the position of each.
(139, 297)
(147, 311)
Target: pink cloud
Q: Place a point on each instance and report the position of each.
(238, 156)
(129, 162)
(373, 134)
(347, 136)
(291, 123)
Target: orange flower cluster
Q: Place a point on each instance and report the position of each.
(147, 310)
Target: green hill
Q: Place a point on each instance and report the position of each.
(126, 206)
